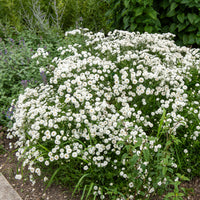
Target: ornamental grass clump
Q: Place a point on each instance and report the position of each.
(117, 116)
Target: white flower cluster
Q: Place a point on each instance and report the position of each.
(113, 92)
(40, 52)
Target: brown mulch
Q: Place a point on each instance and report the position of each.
(8, 165)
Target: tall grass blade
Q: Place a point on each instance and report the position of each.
(82, 197)
(79, 182)
(90, 189)
(51, 179)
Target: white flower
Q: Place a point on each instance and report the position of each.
(131, 184)
(185, 151)
(18, 176)
(159, 183)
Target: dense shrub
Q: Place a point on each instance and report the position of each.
(184, 18)
(180, 17)
(118, 115)
(133, 15)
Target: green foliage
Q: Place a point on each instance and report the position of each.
(184, 20)
(154, 16)
(133, 15)
(41, 15)
(118, 116)
(92, 15)
(18, 70)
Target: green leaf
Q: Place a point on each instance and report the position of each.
(171, 13)
(134, 159)
(193, 18)
(83, 193)
(171, 194)
(126, 22)
(164, 170)
(182, 177)
(173, 6)
(146, 154)
(181, 17)
(191, 38)
(148, 29)
(191, 28)
(182, 27)
(51, 180)
(79, 182)
(126, 3)
(161, 123)
(164, 4)
(151, 13)
(172, 27)
(133, 27)
(138, 11)
(90, 189)
(198, 40)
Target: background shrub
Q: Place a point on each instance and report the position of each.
(180, 17)
(133, 15)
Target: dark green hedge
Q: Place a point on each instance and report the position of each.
(181, 17)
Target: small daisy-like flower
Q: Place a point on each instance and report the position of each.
(18, 176)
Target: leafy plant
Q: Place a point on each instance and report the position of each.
(122, 105)
(185, 20)
(18, 70)
(134, 15)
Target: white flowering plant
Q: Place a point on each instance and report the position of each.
(117, 115)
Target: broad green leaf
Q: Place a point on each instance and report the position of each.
(138, 11)
(126, 3)
(182, 177)
(191, 38)
(133, 27)
(181, 27)
(193, 18)
(173, 6)
(172, 27)
(164, 4)
(171, 13)
(198, 40)
(151, 13)
(191, 28)
(148, 29)
(181, 17)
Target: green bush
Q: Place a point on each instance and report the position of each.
(184, 18)
(118, 116)
(180, 17)
(133, 15)
(92, 15)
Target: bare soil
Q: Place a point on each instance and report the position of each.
(8, 166)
